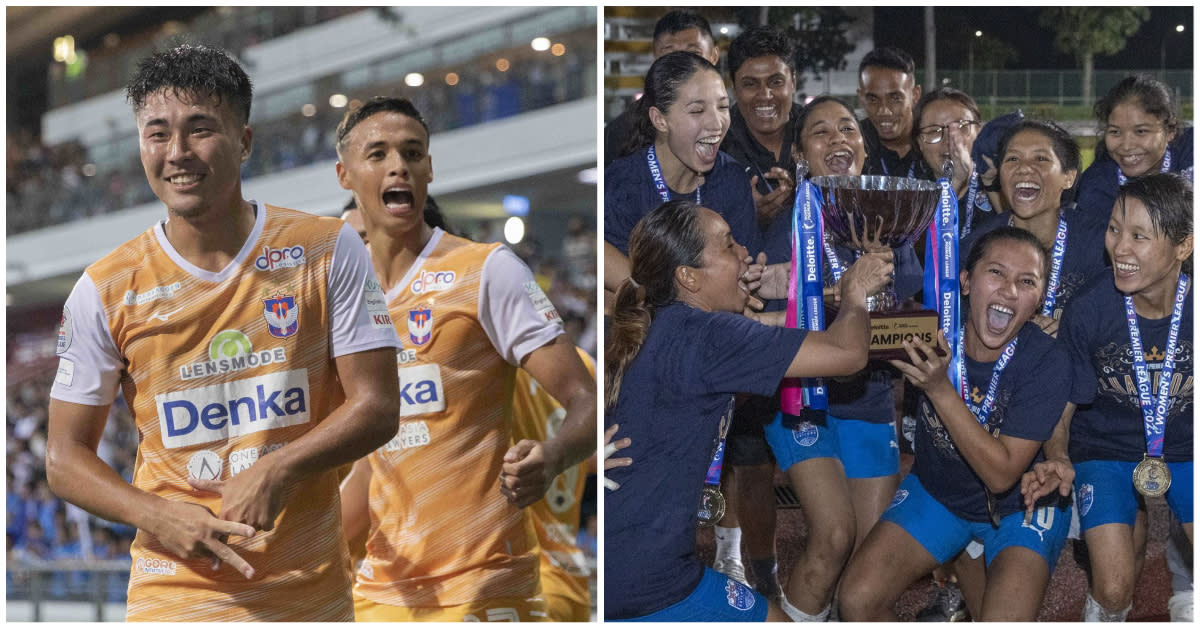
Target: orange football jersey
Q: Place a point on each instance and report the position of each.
(441, 533)
(219, 370)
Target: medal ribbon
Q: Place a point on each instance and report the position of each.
(1166, 167)
(941, 283)
(713, 477)
(972, 192)
(660, 184)
(989, 399)
(1154, 411)
(1056, 263)
(806, 300)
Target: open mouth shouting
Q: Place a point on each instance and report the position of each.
(839, 162)
(706, 148)
(398, 200)
(999, 317)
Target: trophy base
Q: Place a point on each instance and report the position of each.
(889, 329)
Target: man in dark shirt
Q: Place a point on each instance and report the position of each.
(682, 29)
(762, 126)
(887, 90)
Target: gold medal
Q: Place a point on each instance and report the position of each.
(712, 506)
(1151, 477)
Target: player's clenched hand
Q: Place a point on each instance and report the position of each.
(192, 531)
(529, 468)
(254, 497)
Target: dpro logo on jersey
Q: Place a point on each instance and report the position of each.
(231, 409)
(420, 324)
(421, 389)
(283, 317)
(433, 281)
(274, 259)
(738, 595)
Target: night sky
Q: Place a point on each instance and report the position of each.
(905, 27)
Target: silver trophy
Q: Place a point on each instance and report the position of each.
(893, 211)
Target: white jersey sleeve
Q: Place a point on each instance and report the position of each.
(358, 315)
(515, 313)
(89, 363)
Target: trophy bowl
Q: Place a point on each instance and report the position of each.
(900, 207)
(896, 210)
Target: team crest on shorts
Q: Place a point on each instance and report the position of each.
(805, 434)
(420, 325)
(898, 498)
(283, 317)
(738, 595)
(1086, 494)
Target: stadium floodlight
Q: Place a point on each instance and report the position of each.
(514, 230)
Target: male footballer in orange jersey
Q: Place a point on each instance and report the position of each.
(564, 573)
(228, 327)
(449, 537)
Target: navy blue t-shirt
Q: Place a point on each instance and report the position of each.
(629, 194)
(1098, 185)
(1030, 400)
(1108, 423)
(868, 396)
(676, 400)
(1085, 258)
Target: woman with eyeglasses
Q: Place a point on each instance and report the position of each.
(1039, 162)
(947, 123)
(1139, 122)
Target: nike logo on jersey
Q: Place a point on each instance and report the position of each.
(163, 317)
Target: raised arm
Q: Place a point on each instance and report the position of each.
(842, 348)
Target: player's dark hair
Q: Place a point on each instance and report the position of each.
(192, 70)
(888, 57)
(941, 93)
(378, 104)
(665, 239)
(1168, 200)
(761, 41)
(663, 80)
(1152, 95)
(1011, 234)
(1061, 141)
(808, 109)
(681, 20)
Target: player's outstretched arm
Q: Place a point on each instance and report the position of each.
(363, 423)
(530, 466)
(78, 475)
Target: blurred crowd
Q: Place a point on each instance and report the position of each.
(40, 527)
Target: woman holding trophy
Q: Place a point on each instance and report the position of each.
(1129, 339)
(679, 350)
(844, 467)
(1039, 162)
(983, 416)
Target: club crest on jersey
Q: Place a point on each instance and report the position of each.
(1084, 498)
(738, 595)
(420, 325)
(805, 434)
(283, 317)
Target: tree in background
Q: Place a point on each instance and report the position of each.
(819, 34)
(1084, 32)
